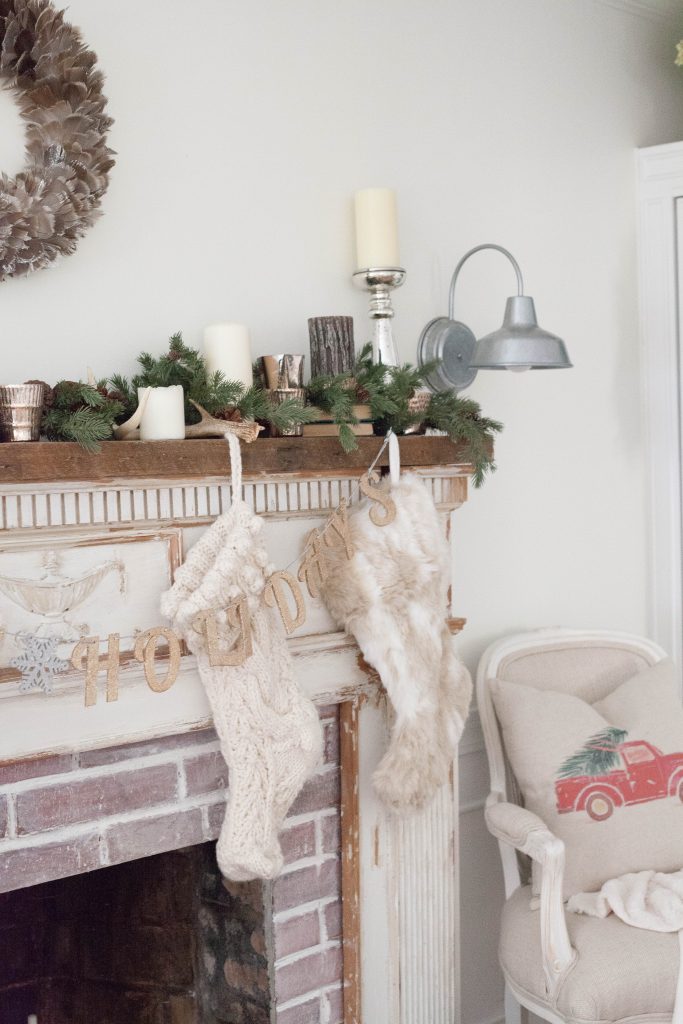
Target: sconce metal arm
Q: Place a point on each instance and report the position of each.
(478, 248)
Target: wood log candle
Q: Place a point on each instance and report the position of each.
(332, 349)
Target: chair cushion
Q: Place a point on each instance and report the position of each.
(607, 778)
(622, 974)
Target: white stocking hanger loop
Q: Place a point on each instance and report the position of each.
(394, 459)
(235, 466)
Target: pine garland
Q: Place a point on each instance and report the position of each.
(337, 395)
(462, 420)
(80, 412)
(388, 391)
(222, 398)
(87, 414)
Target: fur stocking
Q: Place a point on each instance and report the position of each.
(392, 597)
(270, 733)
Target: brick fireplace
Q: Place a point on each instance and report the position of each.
(112, 907)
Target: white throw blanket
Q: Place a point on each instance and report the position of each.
(646, 899)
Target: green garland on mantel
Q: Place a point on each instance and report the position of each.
(398, 401)
(222, 398)
(87, 413)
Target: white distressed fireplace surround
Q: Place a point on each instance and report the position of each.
(399, 877)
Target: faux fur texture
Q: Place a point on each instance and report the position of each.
(392, 597)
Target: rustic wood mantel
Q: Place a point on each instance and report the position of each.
(55, 461)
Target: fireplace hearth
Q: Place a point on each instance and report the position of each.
(156, 941)
(114, 910)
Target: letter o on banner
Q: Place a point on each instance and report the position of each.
(145, 651)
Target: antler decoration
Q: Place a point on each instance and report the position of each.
(209, 426)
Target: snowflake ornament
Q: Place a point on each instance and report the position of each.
(38, 662)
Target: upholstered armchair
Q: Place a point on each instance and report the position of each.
(565, 967)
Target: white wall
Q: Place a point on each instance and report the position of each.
(242, 130)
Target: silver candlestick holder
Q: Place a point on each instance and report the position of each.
(380, 282)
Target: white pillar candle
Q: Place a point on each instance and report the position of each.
(376, 228)
(164, 415)
(32, 1019)
(227, 348)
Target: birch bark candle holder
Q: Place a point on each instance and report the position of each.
(331, 341)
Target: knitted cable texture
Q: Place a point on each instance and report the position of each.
(270, 734)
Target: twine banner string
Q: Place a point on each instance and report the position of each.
(354, 494)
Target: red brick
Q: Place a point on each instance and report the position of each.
(216, 818)
(319, 792)
(90, 799)
(335, 1006)
(297, 934)
(331, 741)
(310, 972)
(34, 768)
(304, 1013)
(331, 833)
(132, 839)
(333, 920)
(32, 865)
(312, 883)
(114, 755)
(298, 842)
(206, 774)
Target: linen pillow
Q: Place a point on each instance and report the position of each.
(607, 778)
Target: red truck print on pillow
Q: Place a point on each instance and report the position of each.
(608, 772)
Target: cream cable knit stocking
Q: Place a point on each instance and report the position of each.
(393, 597)
(270, 733)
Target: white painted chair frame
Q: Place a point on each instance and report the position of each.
(518, 829)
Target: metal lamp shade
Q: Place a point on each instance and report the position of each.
(520, 344)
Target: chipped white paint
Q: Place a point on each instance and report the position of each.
(32, 507)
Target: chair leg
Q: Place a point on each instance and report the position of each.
(515, 1013)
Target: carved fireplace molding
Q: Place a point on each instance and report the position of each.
(64, 516)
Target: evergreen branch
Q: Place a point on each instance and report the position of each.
(461, 419)
(289, 413)
(347, 438)
(336, 395)
(254, 404)
(598, 756)
(218, 391)
(79, 412)
(122, 389)
(186, 367)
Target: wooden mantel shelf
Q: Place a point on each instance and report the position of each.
(53, 461)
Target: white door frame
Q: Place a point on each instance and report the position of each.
(660, 199)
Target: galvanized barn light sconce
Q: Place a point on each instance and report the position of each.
(520, 344)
